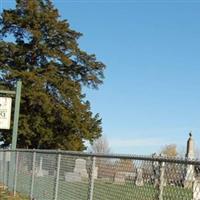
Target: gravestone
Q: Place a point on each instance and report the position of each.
(119, 178)
(196, 190)
(72, 177)
(80, 168)
(189, 174)
(39, 171)
(139, 178)
(79, 172)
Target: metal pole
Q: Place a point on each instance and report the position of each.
(16, 115)
(16, 171)
(91, 184)
(14, 132)
(57, 177)
(33, 174)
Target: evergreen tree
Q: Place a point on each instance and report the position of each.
(40, 49)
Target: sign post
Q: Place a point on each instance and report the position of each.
(16, 115)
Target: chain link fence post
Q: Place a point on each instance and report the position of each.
(7, 169)
(91, 179)
(16, 171)
(33, 174)
(57, 176)
(2, 163)
(161, 181)
(4, 170)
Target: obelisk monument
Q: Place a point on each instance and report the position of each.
(189, 173)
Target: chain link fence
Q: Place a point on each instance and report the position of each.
(63, 175)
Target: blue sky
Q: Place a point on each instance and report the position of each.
(151, 93)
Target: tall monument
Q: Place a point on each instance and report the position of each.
(189, 173)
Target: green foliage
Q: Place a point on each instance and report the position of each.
(39, 48)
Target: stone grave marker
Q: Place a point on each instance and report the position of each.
(196, 190)
(119, 178)
(139, 178)
(39, 171)
(80, 168)
(72, 177)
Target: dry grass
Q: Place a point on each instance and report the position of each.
(5, 195)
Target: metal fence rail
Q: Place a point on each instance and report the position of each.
(64, 175)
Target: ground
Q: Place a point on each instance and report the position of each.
(5, 195)
(103, 190)
(44, 190)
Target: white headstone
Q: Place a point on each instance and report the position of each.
(39, 171)
(80, 168)
(72, 177)
(196, 190)
(119, 178)
(139, 178)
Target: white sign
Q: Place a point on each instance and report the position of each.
(5, 112)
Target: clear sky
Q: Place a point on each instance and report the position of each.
(151, 93)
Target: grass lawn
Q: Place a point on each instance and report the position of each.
(5, 195)
(44, 190)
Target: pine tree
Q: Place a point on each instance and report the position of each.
(39, 48)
